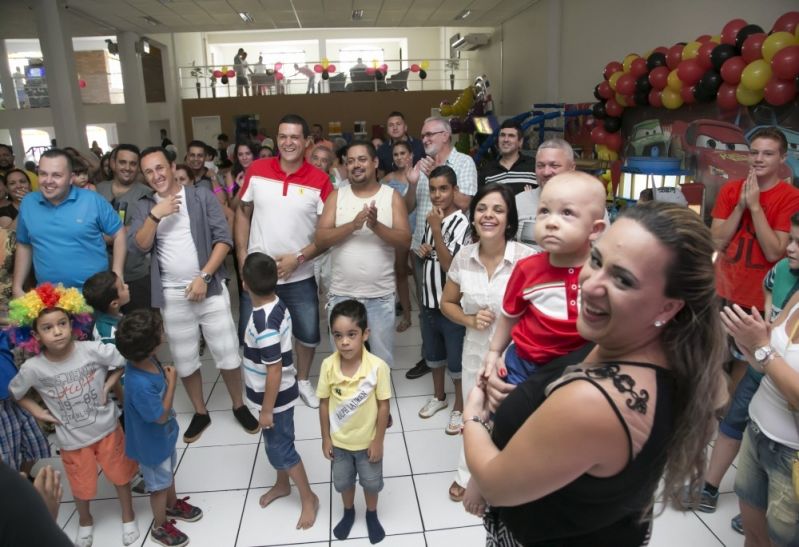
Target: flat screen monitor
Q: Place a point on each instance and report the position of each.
(34, 72)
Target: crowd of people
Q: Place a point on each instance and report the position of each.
(588, 361)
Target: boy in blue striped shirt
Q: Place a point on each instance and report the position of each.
(271, 383)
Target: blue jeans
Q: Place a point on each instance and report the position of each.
(734, 422)
(442, 341)
(379, 317)
(159, 477)
(302, 300)
(348, 463)
(279, 441)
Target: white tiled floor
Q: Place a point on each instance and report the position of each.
(226, 471)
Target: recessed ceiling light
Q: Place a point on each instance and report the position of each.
(463, 15)
(357, 14)
(246, 17)
(151, 20)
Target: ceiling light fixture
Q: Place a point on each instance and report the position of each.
(151, 20)
(357, 14)
(246, 17)
(463, 15)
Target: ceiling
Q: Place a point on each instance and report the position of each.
(91, 17)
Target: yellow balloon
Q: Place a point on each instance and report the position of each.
(628, 61)
(716, 38)
(671, 99)
(748, 97)
(325, 63)
(756, 75)
(424, 65)
(613, 79)
(622, 100)
(691, 50)
(776, 42)
(673, 82)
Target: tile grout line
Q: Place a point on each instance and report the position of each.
(247, 492)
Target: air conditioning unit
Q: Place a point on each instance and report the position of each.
(470, 41)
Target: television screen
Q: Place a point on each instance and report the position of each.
(34, 71)
(485, 125)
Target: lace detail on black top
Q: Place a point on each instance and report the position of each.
(625, 383)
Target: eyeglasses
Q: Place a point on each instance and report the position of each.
(430, 134)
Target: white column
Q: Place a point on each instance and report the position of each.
(137, 126)
(62, 81)
(7, 81)
(554, 34)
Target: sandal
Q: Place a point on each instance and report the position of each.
(403, 324)
(456, 492)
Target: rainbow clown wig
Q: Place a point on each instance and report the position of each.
(25, 310)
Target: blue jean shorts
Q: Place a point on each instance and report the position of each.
(442, 341)
(302, 300)
(159, 477)
(518, 369)
(348, 463)
(734, 422)
(279, 441)
(764, 481)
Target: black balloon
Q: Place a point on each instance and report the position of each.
(325, 75)
(708, 87)
(612, 124)
(642, 84)
(745, 33)
(655, 60)
(422, 74)
(641, 98)
(379, 74)
(597, 96)
(224, 79)
(720, 54)
(599, 110)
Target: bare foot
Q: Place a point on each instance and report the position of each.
(277, 491)
(473, 501)
(308, 514)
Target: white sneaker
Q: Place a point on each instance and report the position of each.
(431, 407)
(130, 532)
(455, 423)
(307, 393)
(85, 536)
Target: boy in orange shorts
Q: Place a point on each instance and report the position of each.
(73, 380)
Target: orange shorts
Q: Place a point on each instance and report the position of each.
(109, 452)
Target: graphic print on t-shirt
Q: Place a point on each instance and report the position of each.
(77, 398)
(346, 409)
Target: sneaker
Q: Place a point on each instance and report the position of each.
(184, 511)
(431, 407)
(246, 420)
(198, 424)
(418, 370)
(455, 423)
(130, 532)
(169, 535)
(307, 394)
(707, 501)
(737, 524)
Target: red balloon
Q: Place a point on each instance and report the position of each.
(231, 73)
(81, 83)
(785, 64)
(626, 84)
(638, 67)
(787, 22)
(370, 71)
(417, 68)
(331, 68)
(598, 135)
(704, 55)
(674, 56)
(750, 50)
(613, 141)
(779, 92)
(604, 89)
(278, 76)
(654, 98)
(704, 38)
(687, 94)
(690, 72)
(217, 73)
(278, 66)
(318, 69)
(659, 77)
(384, 68)
(613, 108)
(731, 70)
(611, 67)
(726, 98)
(730, 31)
(661, 49)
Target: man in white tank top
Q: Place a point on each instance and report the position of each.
(364, 223)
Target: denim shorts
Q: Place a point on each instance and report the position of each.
(734, 422)
(442, 341)
(764, 481)
(302, 300)
(348, 463)
(518, 369)
(159, 477)
(379, 317)
(279, 441)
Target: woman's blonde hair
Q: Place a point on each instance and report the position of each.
(693, 340)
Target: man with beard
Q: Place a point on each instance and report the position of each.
(123, 192)
(7, 164)
(364, 223)
(511, 167)
(281, 201)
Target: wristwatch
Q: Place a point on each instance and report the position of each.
(764, 354)
(300, 258)
(206, 277)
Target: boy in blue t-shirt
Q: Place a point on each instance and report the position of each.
(151, 430)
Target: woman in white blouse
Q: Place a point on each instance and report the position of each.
(473, 295)
(769, 504)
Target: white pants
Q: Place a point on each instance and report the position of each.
(182, 322)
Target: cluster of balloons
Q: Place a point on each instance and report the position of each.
(224, 74)
(741, 66)
(325, 68)
(378, 72)
(421, 68)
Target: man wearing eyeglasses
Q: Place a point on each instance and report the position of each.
(437, 141)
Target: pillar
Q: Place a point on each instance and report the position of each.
(137, 125)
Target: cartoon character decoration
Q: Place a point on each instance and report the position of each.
(474, 101)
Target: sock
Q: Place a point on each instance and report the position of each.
(342, 529)
(376, 532)
(713, 490)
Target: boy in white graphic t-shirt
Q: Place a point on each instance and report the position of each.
(354, 391)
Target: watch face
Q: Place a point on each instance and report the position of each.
(761, 353)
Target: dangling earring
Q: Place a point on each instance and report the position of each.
(659, 323)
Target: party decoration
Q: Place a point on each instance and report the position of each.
(278, 76)
(331, 68)
(422, 74)
(691, 50)
(755, 76)
(787, 22)
(730, 31)
(721, 54)
(613, 141)
(779, 92)
(673, 81)
(731, 70)
(655, 99)
(424, 65)
(598, 110)
(325, 62)
(659, 77)
(611, 68)
(775, 42)
(746, 96)
(605, 90)
(642, 84)
(655, 60)
(626, 84)
(628, 61)
(785, 64)
(614, 78)
(638, 67)
(318, 68)
(752, 46)
(82, 83)
(415, 68)
(703, 56)
(708, 86)
(726, 98)
(217, 73)
(674, 56)
(612, 124)
(687, 94)
(230, 73)
(278, 65)
(690, 71)
(613, 108)
(671, 98)
(745, 33)
(325, 75)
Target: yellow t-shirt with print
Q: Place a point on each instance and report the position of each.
(353, 400)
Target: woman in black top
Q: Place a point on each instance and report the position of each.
(18, 185)
(576, 461)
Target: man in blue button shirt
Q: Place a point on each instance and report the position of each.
(61, 229)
